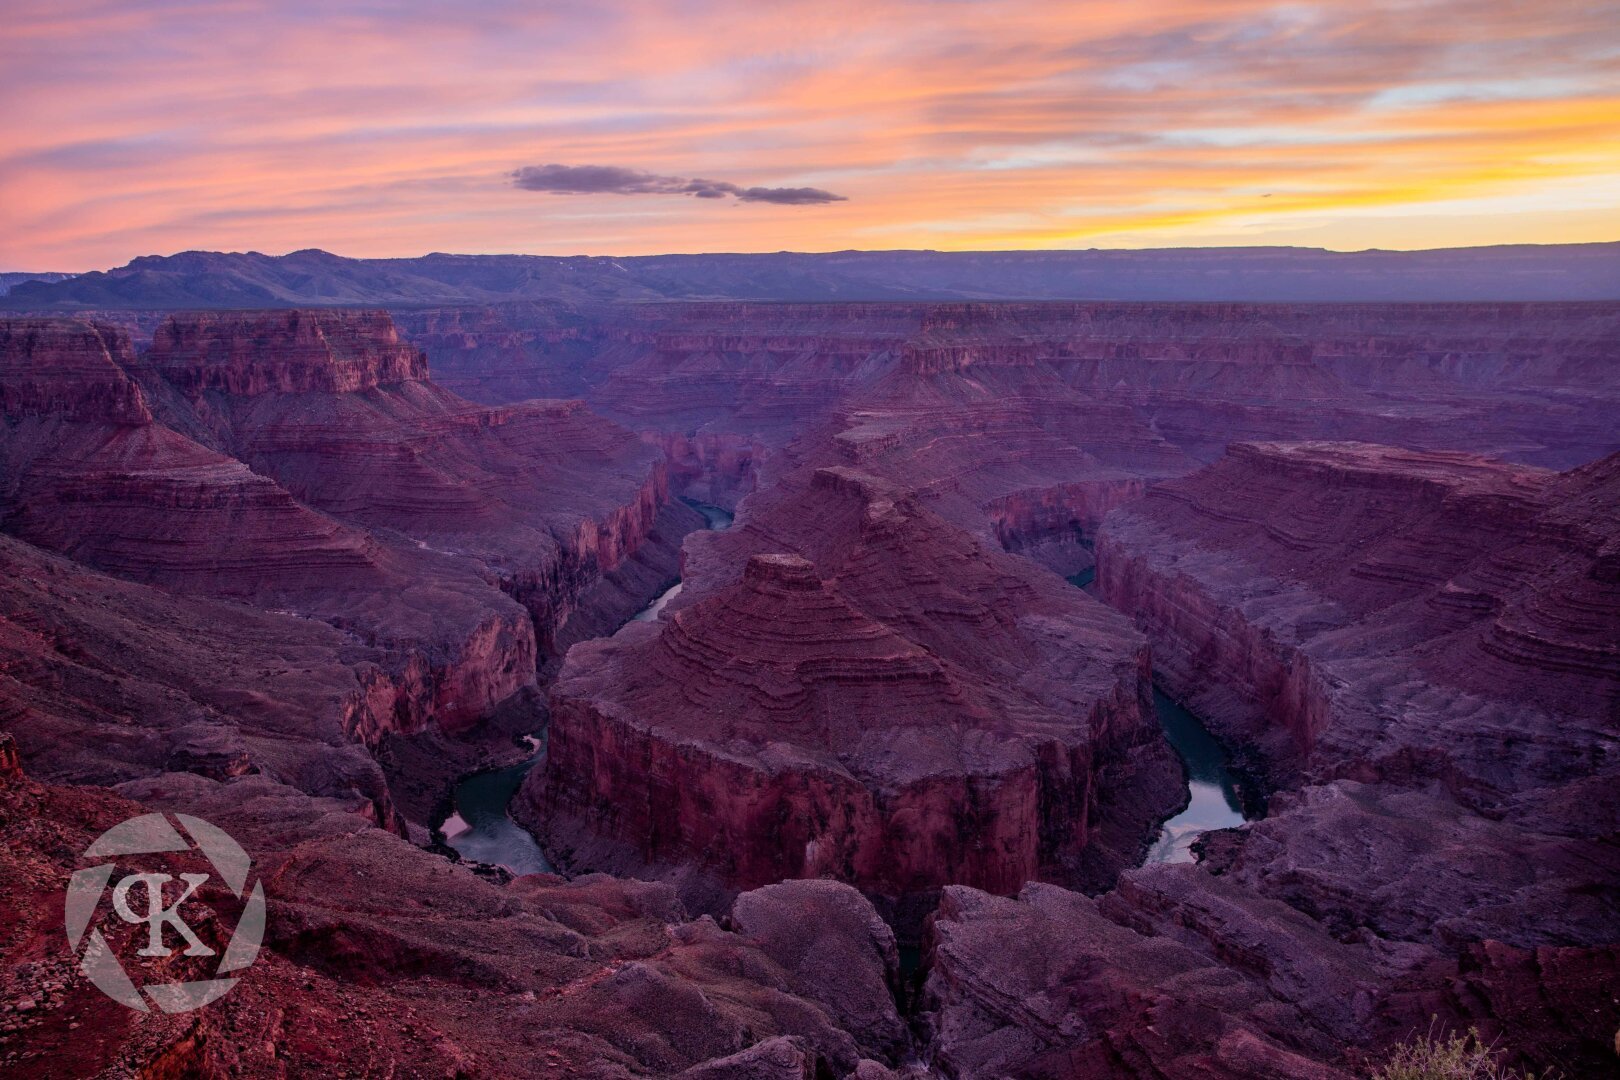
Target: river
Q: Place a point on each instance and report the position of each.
(479, 829)
(1214, 793)
(1214, 802)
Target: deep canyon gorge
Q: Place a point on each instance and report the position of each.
(620, 686)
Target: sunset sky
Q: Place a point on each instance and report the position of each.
(636, 127)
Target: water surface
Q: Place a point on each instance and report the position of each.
(480, 829)
(719, 520)
(1215, 803)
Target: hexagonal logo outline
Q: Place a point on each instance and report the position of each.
(151, 834)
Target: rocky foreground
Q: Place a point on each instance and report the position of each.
(385, 960)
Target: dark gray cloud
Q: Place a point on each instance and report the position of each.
(614, 180)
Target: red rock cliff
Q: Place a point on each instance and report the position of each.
(543, 494)
(1422, 648)
(292, 351)
(1273, 581)
(910, 709)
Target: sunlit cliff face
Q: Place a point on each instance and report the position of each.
(635, 127)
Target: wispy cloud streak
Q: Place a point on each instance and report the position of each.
(614, 180)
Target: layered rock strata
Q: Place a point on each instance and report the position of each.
(1278, 584)
(338, 410)
(104, 681)
(1422, 647)
(91, 474)
(285, 542)
(1529, 381)
(882, 699)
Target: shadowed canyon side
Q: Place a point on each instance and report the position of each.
(1040, 418)
(1277, 583)
(1423, 649)
(339, 411)
(302, 463)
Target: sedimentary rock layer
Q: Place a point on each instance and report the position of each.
(124, 493)
(104, 681)
(340, 412)
(1530, 381)
(1278, 583)
(302, 463)
(881, 698)
(1422, 648)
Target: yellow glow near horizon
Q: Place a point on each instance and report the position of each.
(953, 124)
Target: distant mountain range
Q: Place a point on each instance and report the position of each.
(201, 279)
(7, 281)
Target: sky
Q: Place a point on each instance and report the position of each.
(634, 127)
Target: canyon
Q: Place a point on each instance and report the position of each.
(1423, 652)
(874, 791)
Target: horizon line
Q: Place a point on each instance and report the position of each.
(836, 251)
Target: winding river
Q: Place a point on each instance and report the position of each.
(1213, 791)
(479, 829)
(1213, 800)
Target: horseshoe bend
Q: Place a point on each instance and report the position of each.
(606, 683)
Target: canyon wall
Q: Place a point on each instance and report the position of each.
(1528, 381)
(849, 686)
(1421, 650)
(1274, 581)
(302, 463)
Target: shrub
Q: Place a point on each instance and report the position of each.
(1438, 1057)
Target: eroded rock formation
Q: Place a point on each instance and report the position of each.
(1531, 382)
(386, 960)
(1277, 583)
(405, 558)
(1422, 647)
(244, 558)
(340, 412)
(851, 687)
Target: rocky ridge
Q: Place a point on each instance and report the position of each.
(1420, 647)
(308, 278)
